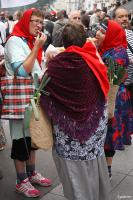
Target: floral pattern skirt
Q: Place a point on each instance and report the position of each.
(120, 127)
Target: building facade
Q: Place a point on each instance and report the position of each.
(69, 5)
(88, 5)
(93, 4)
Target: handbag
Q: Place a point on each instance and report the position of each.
(41, 131)
(38, 122)
(16, 92)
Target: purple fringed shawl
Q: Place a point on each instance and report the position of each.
(76, 101)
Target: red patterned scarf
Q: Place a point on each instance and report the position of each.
(78, 89)
(78, 81)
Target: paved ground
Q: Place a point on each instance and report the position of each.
(122, 180)
(45, 165)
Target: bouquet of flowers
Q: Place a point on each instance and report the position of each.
(116, 72)
(116, 75)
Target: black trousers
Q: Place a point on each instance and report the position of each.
(109, 153)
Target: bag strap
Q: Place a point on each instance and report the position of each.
(26, 146)
(130, 48)
(16, 70)
(3, 44)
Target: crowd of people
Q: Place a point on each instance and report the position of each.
(85, 136)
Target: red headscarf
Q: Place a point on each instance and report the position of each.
(115, 37)
(21, 29)
(88, 53)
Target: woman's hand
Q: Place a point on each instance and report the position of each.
(30, 60)
(52, 51)
(92, 40)
(40, 40)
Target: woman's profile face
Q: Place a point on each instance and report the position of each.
(100, 36)
(36, 24)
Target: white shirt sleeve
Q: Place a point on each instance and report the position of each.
(17, 50)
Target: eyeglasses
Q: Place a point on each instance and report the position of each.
(37, 22)
(77, 18)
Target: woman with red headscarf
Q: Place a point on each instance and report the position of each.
(112, 44)
(24, 48)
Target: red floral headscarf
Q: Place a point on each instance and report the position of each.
(21, 29)
(115, 36)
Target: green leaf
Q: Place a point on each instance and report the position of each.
(116, 72)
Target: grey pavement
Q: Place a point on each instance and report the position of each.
(122, 179)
